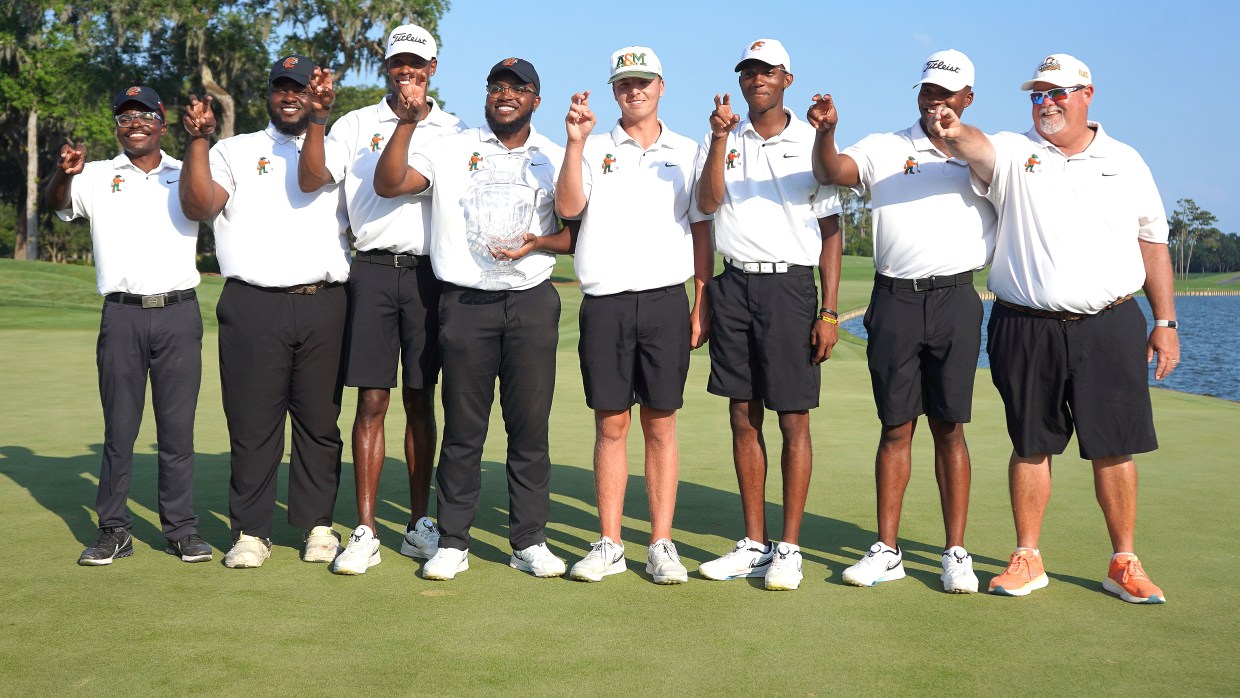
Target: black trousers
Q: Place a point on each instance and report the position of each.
(280, 354)
(166, 343)
(511, 335)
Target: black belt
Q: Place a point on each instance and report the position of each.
(929, 283)
(392, 259)
(300, 289)
(1057, 314)
(157, 300)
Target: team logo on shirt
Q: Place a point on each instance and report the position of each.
(117, 180)
(911, 166)
(375, 140)
(263, 162)
(608, 161)
(474, 161)
(733, 158)
(1032, 163)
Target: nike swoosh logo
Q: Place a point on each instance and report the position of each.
(537, 164)
(893, 565)
(1109, 174)
(172, 181)
(670, 164)
(616, 559)
(791, 156)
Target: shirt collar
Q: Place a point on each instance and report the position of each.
(122, 161)
(282, 138)
(486, 135)
(386, 113)
(790, 133)
(619, 136)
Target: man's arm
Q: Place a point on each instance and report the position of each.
(1160, 292)
(393, 175)
(570, 195)
(201, 197)
(829, 166)
(826, 333)
(312, 173)
(563, 241)
(710, 187)
(966, 142)
(703, 269)
(71, 163)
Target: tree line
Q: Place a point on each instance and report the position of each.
(62, 61)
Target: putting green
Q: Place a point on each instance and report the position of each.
(150, 624)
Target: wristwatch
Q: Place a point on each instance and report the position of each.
(1166, 323)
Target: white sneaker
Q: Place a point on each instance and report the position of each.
(538, 560)
(360, 554)
(322, 545)
(445, 564)
(958, 577)
(422, 540)
(606, 557)
(882, 563)
(749, 559)
(248, 551)
(663, 563)
(784, 573)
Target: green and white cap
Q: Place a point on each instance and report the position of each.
(635, 62)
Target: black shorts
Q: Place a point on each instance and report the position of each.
(760, 344)
(634, 347)
(393, 318)
(1089, 373)
(922, 352)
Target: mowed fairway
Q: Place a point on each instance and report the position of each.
(151, 624)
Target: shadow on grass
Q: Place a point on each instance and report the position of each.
(66, 487)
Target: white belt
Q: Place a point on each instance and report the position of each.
(759, 267)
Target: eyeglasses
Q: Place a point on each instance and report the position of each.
(142, 117)
(496, 88)
(769, 73)
(1057, 94)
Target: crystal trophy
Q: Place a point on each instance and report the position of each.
(500, 207)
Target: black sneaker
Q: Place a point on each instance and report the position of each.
(111, 543)
(191, 548)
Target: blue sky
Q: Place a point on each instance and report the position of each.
(1164, 75)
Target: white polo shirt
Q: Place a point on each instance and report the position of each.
(1069, 226)
(353, 148)
(143, 243)
(635, 229)
(446, 162)
(771, 203)
(271, 233)
(928, 221)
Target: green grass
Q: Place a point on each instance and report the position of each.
(151, 625)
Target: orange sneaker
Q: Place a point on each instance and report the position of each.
(1127, 580)
(1024, 574)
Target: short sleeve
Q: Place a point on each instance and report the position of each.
(221, 168)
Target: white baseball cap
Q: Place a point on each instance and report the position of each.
(948, 69)
(1060, 70)
(769, 51)
(635, 62)
(410, 38)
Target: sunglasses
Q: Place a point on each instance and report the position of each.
(1057, 94)
(142, 117)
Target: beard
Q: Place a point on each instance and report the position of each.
(288, 128)
(511, 127)
(1050, 124)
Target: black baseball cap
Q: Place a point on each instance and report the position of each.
(520, 67)
(142, 95)
(296, 68)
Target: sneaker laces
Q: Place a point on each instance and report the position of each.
(1133, 569)
(663, 551)
(1019, 564)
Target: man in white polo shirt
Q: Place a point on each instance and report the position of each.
(931, 232)
(145, 251)
(281, 314)
(641, 237)
(769, 335)
(393, 294)
(1081, 228)
(496, 320)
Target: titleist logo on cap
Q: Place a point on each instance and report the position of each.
(407, 37)
(941, 65)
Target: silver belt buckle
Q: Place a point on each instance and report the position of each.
(158, 300)
(915, 287)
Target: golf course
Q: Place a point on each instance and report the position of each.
(152, 625)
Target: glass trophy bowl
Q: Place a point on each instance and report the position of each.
(500, 207)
